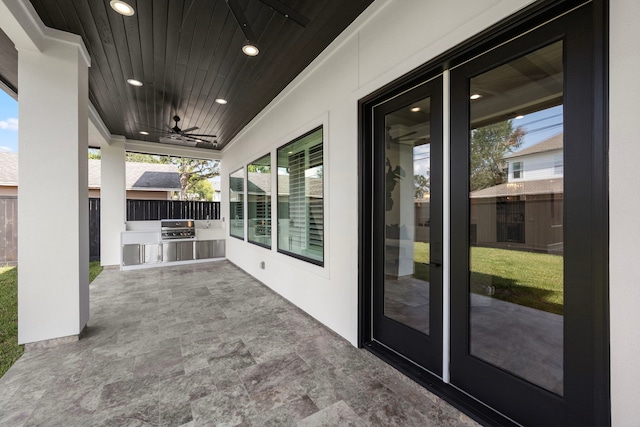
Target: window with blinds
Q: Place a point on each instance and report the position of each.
(259, 201)
(236, 204)
(301, 198)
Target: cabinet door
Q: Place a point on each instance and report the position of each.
(152, 253)
(204, 249)
(185, 251)
(218, 249)
(169, 252)
(131, 255)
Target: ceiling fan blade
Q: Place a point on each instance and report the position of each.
(238, 14)
(287, 12)
(190, 129)
(201, 135)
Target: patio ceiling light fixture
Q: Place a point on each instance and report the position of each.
(250, 49)
(475, 96)
(221, 101)
(134, 82)
(122, 8)
(143, 132)
(415, 109)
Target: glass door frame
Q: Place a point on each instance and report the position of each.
(423, 349)
(592, 32)
(492, 385)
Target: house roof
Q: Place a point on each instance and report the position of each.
(140, 176)
(521, 188)
(9, 169)
(554, 143)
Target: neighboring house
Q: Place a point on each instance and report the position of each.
(149, 181)
(543, 160)
(527, 211)
(217, 188)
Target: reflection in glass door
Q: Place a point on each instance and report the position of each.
(516, 217)
(522, 288)
(407, 285)
(407, 215)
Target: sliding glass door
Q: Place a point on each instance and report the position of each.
(522, 205)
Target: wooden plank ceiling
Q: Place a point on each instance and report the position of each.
(187, 54)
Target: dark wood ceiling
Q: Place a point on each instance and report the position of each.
(187, 54)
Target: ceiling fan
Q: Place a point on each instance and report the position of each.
(174, 135)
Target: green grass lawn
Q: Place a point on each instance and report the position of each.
(526, 278)
(10, 351)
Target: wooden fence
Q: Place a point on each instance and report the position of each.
(155, 210)
(94, 229)
(137, 210)
(8, 231)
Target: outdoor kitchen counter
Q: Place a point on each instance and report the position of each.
(143, 247)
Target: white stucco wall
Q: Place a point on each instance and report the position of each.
(113, 205)
(624, 205)
(359, 61)
(53, 286)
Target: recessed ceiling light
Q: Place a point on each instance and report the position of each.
(198, 140)
(519, 116)
(250, 49)
(415, 109)
(134, 82)
(221, 101)
(142, 132)
(122, 8)
(475, 96)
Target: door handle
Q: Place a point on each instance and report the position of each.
(435, 264)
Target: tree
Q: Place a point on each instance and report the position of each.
(258, 168)
(94, 154)
(194, 170)
(489, 145)
(191, 171)
(146, 158)
(202, 190)
(420, 186)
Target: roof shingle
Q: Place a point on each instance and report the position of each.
(147, 176)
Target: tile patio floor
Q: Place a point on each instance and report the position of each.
(206, 344)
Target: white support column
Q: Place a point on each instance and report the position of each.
(113, 199)
(624, 205)
(53, 239)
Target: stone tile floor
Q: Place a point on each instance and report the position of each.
(206, 344)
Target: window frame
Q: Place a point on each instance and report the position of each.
(519, 170)
(269, 203)
(244, 187)
(320, 263)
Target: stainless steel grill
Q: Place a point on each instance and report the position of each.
(177, 229)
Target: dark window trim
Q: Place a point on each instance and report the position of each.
(283, 251)
(270, 197)
(262, 245)
(244, 192)
(302, 257)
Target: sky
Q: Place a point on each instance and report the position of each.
(538, 126)
(8, 123)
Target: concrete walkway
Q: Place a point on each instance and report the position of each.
(206, 344)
